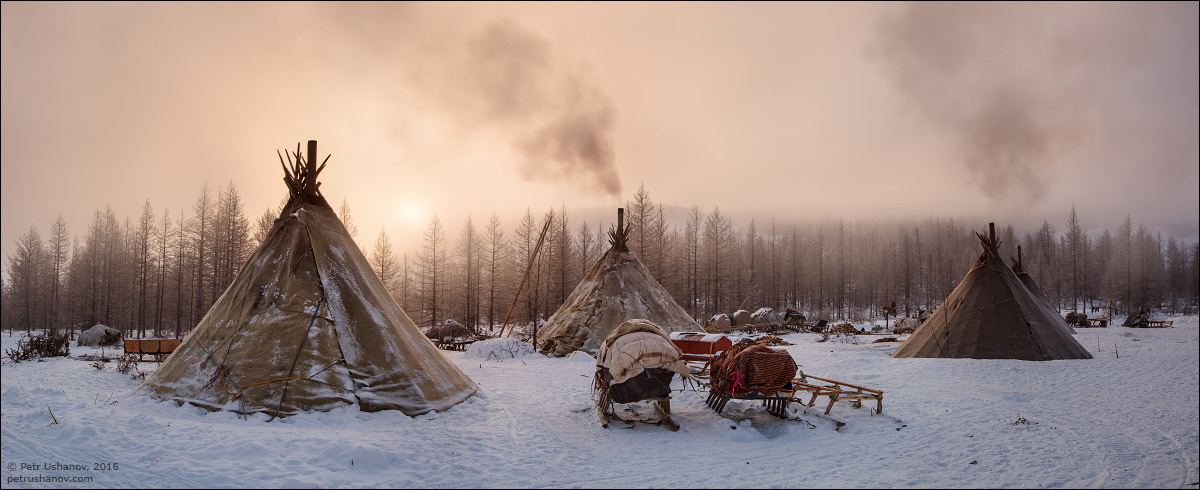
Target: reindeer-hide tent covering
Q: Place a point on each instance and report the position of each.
(992, 315)
(618, 288)
(638, 345)
(307, 325)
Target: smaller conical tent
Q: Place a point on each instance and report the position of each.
(992, 315)
(308, 325)
(1037, 292)
(618, 288)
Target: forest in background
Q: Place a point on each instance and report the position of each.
(158, 274)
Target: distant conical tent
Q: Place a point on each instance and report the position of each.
(992, 315)
(1037, 292)
(618, 288)
(308, 325)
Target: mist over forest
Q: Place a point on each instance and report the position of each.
(159, 272)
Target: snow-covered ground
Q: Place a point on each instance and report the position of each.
(1126, 419)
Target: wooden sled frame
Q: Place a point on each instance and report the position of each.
(605, 405)
(836, 391)
(778, 402)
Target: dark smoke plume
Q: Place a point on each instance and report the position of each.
(1018, 88)
(499, 79)
(566, 127)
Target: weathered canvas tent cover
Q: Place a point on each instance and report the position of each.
(307, 325)
(992, 315)
(618, 288)
(1037, 292)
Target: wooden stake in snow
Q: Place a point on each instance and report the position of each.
(532, 257)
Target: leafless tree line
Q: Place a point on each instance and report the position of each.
(159, 274)
(156, 275)
(835, 269)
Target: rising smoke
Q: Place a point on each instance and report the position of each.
(1018, 89)
(499, 79)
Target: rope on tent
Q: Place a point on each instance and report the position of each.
(312, 321)
(240, 388)
(221, 372)
(336, 337)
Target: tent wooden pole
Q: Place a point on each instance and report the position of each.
(311, 168)
(523, 278)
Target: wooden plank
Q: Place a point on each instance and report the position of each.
(602, 407)
(663, 407)
(169, 345)
(837, 392)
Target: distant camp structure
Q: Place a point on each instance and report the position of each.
(992, 315)
(449, 329)
(618, 288)
(100, 335)
(308, 325)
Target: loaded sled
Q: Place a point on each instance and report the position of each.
(636, 363)
(770, 376)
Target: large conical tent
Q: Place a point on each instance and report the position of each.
(1037, 292)
(992, 315)
(618, 288)
(308, 325)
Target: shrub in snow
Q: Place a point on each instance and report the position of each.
(127, 363)
(51, 344)
(499, 349)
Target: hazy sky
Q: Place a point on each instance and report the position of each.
(1010, 111)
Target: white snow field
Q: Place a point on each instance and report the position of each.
(1126, 419)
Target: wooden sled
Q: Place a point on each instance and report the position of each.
(836, 391)
(815, 386)
(605, 406)
(158, 348)
(776, 403)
